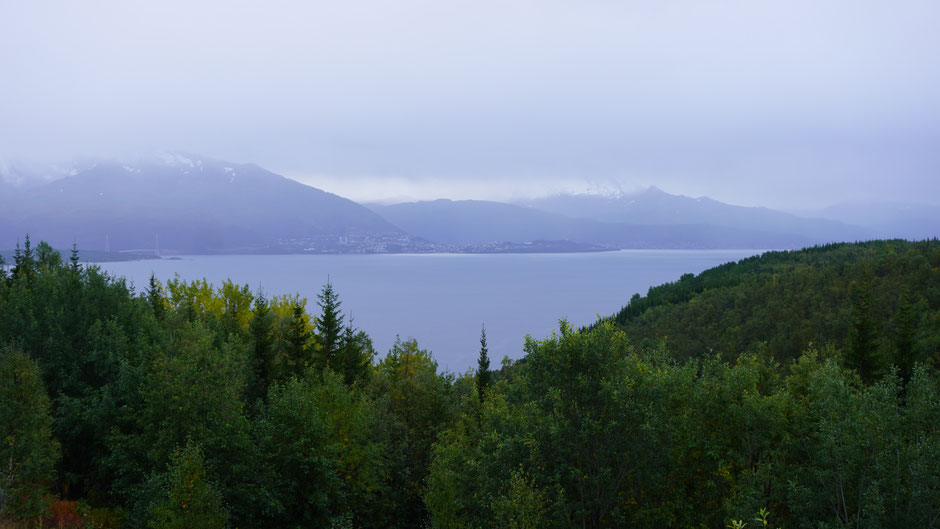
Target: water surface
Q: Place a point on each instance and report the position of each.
(443, 299)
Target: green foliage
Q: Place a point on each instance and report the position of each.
(27, 449)
(295, 351)
(419, 404)
(197, 406)
(156, 297)
(320, 459)
(862, 340)
(522, 505)
(483, 367)
(609, 437)
(841, 294)
(190, 500)
(261, 332)
(329, 328)
(356, 356)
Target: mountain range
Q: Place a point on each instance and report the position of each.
(181, 203)
(478, 222)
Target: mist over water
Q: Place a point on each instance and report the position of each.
(443, 299)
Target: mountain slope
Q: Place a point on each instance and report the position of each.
(780, 302)
(190, 203)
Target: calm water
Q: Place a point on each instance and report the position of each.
(442, 300)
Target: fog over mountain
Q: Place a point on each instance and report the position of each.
(887, 219)
(791, 105)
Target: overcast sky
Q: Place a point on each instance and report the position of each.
(795, 104)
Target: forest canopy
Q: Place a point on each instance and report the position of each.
(799, 385)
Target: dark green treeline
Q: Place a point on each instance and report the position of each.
(802, 383)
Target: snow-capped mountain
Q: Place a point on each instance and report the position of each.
(187, 203)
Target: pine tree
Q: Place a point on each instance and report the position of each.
(861, 354)
(296, 352)
(483, 367)
(74, 266)
(329, 327)
(262, 358)
(24, 265)
(154, 295)
(356, 355)
(904, 354)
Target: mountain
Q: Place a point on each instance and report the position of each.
(656, 207)
(905, 220)
(476, 221)
(189, 204)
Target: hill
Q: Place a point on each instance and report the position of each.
(879, 299)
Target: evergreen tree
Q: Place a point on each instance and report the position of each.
(74, 265)
(861, 354)
(356, 355)
(24, 264)
(904, 353)
(261, 329)
(329, 327)
(483, 367)
(154, 295)
(296, 357)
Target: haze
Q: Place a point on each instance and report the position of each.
(793, 104)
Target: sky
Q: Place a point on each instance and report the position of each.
(789, 104)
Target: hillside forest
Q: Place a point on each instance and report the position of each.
(791, 389)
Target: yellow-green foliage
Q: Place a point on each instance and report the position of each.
(204, 300)
(27, 449)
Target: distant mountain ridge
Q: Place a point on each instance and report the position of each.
(184, 203)
(650, 219)
(654, 206)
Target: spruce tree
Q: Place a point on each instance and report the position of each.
(356, 355)
(74, 266)
(329, 327)
(297, 337)
(904, 349)
(262, 358)
(24, 265)
(483, 367)
(861, 354)
(154, 296)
